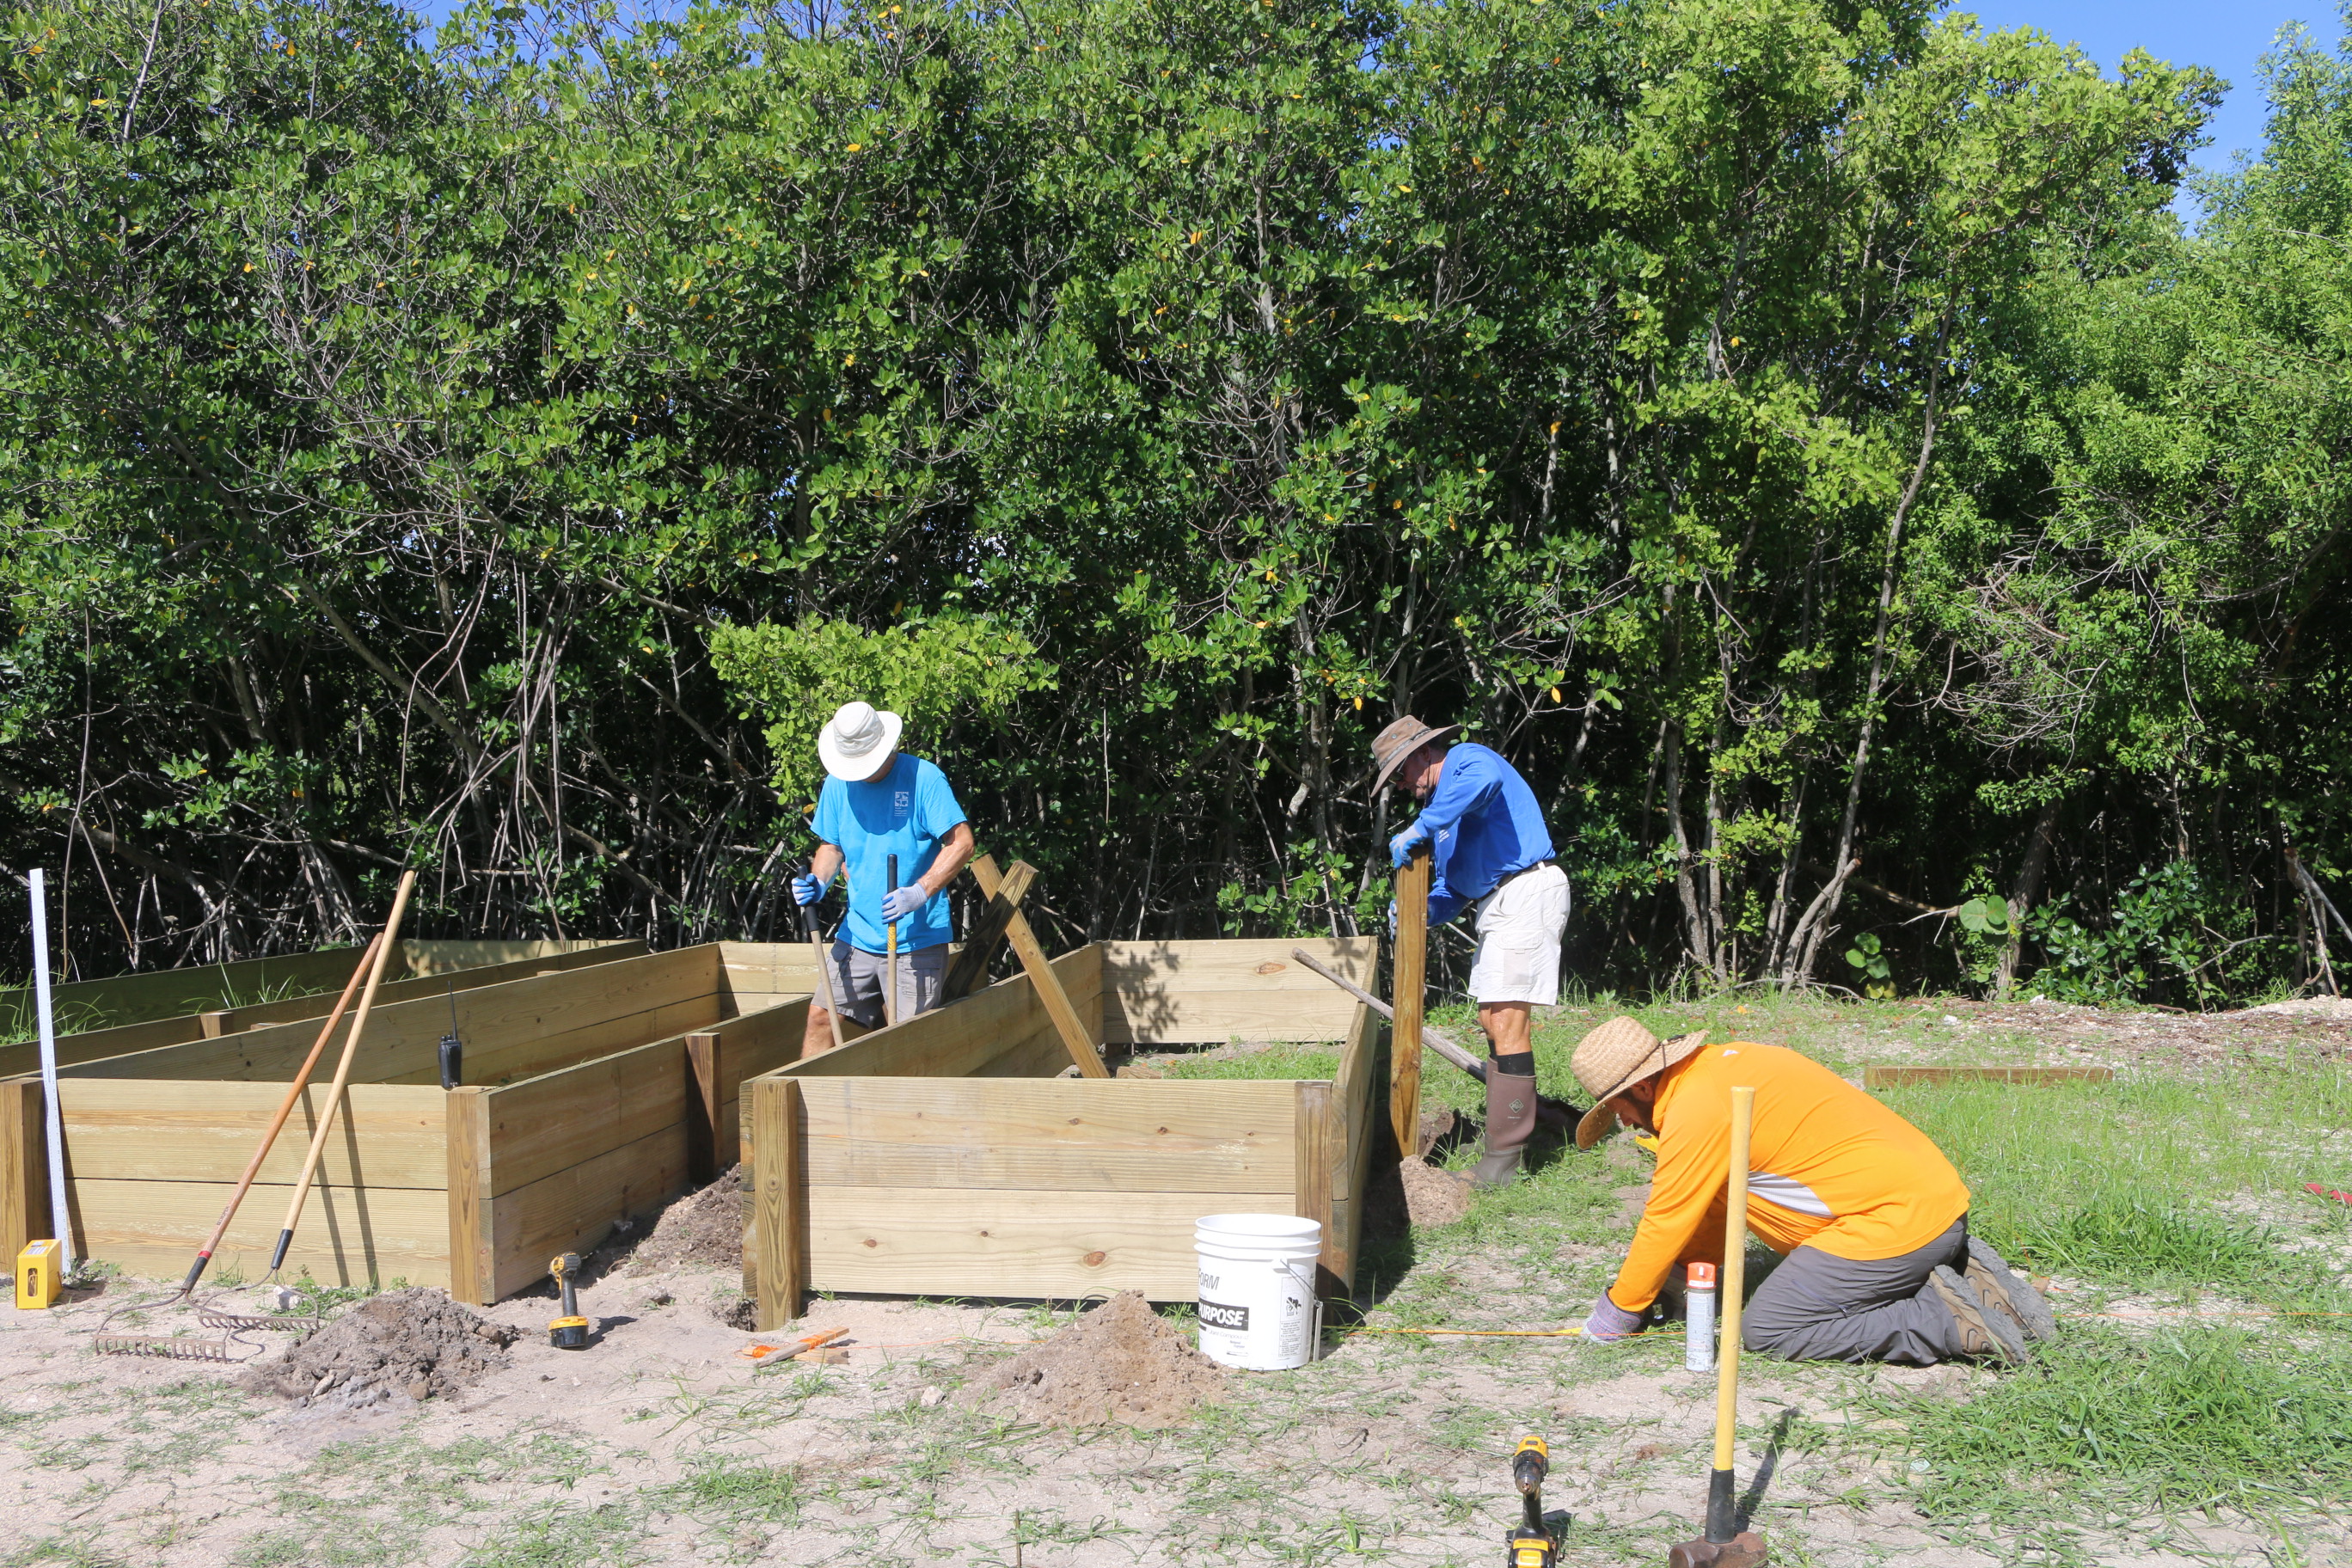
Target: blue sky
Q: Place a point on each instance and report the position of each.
(2228, 36)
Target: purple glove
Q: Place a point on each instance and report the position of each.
(1611, 1323)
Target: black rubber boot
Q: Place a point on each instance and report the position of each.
(1510, 1119)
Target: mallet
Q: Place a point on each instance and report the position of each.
(1724, 1544)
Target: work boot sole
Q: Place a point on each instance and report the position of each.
(1983, 1331)
(2001, 1288)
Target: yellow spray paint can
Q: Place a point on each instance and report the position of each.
(38, 1284)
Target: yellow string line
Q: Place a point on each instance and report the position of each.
(1562, 1333)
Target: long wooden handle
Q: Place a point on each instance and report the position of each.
(343, 1067)
(1411, 968)
(1442, 1043)
(1735, 1275)
(285, 1109)
(891, 945)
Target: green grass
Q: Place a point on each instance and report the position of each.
(729, 1489)
(2192, 1419)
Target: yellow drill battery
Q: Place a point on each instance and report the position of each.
(38, 1284)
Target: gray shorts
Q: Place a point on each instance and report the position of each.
(857, 974)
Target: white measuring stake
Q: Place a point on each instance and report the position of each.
(60, 1208)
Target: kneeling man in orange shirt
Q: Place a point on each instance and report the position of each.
(1870, 1220)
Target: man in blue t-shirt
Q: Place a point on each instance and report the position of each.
(1487, 834)
(876, 804)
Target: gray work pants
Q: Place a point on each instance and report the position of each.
(1815, 1307)
(858, 981)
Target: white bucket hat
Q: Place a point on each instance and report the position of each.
(856, 742)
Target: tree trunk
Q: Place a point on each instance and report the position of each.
(2029, 887)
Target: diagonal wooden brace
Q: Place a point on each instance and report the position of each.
(969, 972)
(1041, 975)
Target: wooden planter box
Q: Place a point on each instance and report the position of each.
(947, 1157)
(592, 1094)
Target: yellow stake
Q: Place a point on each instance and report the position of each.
(1735, 1271)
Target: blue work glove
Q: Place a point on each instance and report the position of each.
(1392, 918)
(1402, 847)
(1611, 1323)
(900, 903)
(806, 889)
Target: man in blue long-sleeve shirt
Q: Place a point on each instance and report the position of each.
(1492, 851)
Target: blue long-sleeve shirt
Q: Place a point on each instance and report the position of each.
(1484, 825)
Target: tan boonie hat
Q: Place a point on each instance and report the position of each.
(1615, 1056)
(1392, 745)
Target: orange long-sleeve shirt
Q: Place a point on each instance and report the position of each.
(1828, 1166)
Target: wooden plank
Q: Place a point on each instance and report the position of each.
(1409, 997)
(572, 1209)
(944, 1241)
(1889, 1077)
(1166, 993)
(969, 972)
(1358, 1102)
(514, 1027)
(1074, 1136)
(432, 957)
(348, 1236)
(1211, 1019)
(473, 1273)
(750, 1046)
(24, 1169)
(553, 1123)
(1318, 1141)
(779, 1213)
(957, 1041)
(126, 1129)
(701, 1109)
(1075, 1035)
(172, 993)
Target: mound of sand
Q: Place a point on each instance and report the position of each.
(1120, 1364)
(703, 1228)
(1433, 1196)
(417, 1342)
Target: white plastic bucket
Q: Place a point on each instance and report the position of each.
(1258, 1311)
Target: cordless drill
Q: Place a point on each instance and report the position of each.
(570, 1331)
(1532, 1544)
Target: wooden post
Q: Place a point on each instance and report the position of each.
(1041, 975)
(212, 1025)
(473, 1261)
(969, 972)
(702, 1102)
(1318, 1135)
(779, 1201)
(23, 1167)
(1410, 965)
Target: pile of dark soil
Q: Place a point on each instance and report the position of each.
(703, 1228)
(416, 1342)
(1433, 1196)
(1120, 1363)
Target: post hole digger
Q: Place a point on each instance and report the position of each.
(370, 966)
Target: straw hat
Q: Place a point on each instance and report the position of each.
(1615, 1056)
(1392, 745)
(858, 742)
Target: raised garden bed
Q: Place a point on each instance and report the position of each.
(948, 1156)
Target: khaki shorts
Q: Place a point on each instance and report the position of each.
(1520, 927)
(857, 977)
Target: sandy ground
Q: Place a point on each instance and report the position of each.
(661, 1444)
